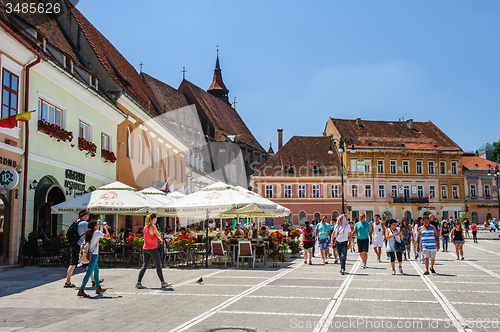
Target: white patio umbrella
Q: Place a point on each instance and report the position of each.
(114, 198)
(158, 195)
(277, 211)
(216, 198)
(175, 195)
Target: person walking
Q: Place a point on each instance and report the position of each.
(363, 231)
(341, 239)
(467, 227)
(313, 226)
(416, 225)
(82, 221)
(150, 251)
(457, 238)
(307, 242)
(393, 235)
(352, 240)
(429, 236)
(322, 236)
(406, 237)
(332, 241)
(473, 228)
(378, 230)
(445, 235)
(92, 236)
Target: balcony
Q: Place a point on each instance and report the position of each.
(410, 199)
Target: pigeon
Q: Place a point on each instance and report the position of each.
(200, 280)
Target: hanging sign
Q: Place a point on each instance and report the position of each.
(413, 189)
(9, 178)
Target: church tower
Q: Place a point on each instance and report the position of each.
(217, 88)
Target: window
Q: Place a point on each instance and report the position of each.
(472, 190)
(406, 191)
(84, 131)
(393, 167)
(302, 217)
(431, 167)
(380, 166)
(432, 192)
(381, 191)
(454, 190)
(487, 191)
(368, 190)
(269, 191)
(141, 160)
(315, 191)
(10, 93)
(129, 154)
(315, 168)
(166, 163)
(419, 167)
(150, 150)
(302, 191)
(420, 191)
(287, 168)
(354, 166)
(173, 167)
(288, 191)
(454, 168)
(368, 164)
(335, 191)
(105, 142)
(442, 167)
(180, 171)
(50, 113)
(444, 191)
(394, 190)
(406, 167)
(354, 190)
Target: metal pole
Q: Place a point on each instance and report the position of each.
(342, 181)
(498, 192)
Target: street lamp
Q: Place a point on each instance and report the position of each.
(495, 171)
(342, 145)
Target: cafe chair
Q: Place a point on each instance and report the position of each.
(218, 251)
(245, 251)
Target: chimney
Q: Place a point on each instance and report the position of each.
(358, 122)
(410, 125)
(280, 139)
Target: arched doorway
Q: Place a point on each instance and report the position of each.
(302, 217)
(4, 229)
(48, 193)
(335, 215)
(488, 216)
(408, 216)
(317, 217)
(474, 217)
(386, 215)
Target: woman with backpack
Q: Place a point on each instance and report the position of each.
(393, 235)
(92, 236)
(308, 242)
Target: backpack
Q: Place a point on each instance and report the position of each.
(72, 234)
(309, 236)
(85, 253)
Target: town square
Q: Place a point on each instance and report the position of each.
(342, 175)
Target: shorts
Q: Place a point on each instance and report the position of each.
(308, 244)
(363, 245)
(323, 244)
(378, 243)
(75, 254)
(458, 242)
(429, 254)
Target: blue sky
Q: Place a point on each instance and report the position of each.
(292, 64)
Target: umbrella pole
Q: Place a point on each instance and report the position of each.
(206, 242)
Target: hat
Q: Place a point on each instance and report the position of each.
(82, 213)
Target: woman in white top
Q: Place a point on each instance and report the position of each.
(393, 235)
(92, 236)
(341, 238)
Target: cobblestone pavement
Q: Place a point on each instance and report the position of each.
(462, 296)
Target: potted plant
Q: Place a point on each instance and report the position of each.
(30, 248)
(182, 242)
(136, 241)
(53, 244)
(279, 246)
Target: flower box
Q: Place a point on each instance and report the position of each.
(84, 145)
(55, 131)
(108, 156)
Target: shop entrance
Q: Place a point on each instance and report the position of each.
(4, 230)
(48, 193)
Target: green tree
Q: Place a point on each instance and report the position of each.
(496, 152)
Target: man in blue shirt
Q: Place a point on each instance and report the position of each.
(322, 236)
(363, 230)
(83, 217)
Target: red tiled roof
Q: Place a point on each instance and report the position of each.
(474, 163)
(387, 134)
(222, 117)
(300, 152)
(114, 62)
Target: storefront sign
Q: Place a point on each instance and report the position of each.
(8, 162)
(76, 176)
(413, 189)
(8, 178)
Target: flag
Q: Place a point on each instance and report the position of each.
(164, 186)
(183, 190)
(171, 187)
(11, 121)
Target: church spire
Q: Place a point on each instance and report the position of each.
(217, 88)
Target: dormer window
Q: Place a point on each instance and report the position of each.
(68, 64)
(315, 168)
(94, 82)
(287, 168)
(42, 40)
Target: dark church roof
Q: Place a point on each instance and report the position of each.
(222, 118)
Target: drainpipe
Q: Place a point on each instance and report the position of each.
(26, 155)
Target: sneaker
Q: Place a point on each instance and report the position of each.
(462, 258)
(342, 272)
(310, 263)
(166, 284)
(326, 262)
(379, 260)
(140, 286)
(426, 273)
(79, 265)
(400, 269)
(433, 271)
(336, 261)
(393, 272)
(364, 266)
(305, 262)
